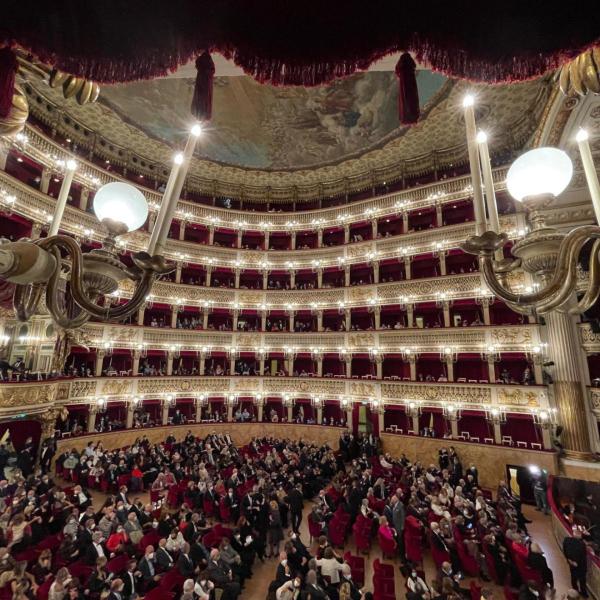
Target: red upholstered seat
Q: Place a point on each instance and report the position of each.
(336, 533)
(314, 529)
(117, 564)
(172, 580)
(224, 511)
(44, 589)
(357, 565)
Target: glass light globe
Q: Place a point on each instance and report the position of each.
(121, 202)
(538, 172)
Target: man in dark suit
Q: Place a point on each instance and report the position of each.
(96, 549)
(184, 563)
(192, 529)
(312, 589)
(131, 580)
(295, 500)
(164, 560)
(116, 590)
(221, 576)
(575, 552)
(147, 568)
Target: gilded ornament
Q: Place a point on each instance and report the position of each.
(15, 121)
(581, 74)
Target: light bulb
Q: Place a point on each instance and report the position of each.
(468, 100)
(178, 158)
(71, 165)
(582, 135)
(538, 172)
(196, 129)
(481, 137)
(121, 202)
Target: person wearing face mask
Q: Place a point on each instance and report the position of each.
(133, 528)
(222, 577)
(117, 541)
(231, 502)
(416, 586)
(147, 567)
(290, 590)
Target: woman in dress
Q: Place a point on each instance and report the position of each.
(275, 533)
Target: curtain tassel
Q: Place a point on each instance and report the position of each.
(203, 89)
(408, 92)
(8, 71)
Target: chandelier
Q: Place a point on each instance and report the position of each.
(75, 285)
(549, 257)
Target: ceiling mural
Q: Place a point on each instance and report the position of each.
(266, 127)
(509, 113)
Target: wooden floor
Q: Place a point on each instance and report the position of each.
(540, 530)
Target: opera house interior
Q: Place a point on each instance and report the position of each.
(299, 302)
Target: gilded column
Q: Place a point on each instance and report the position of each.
(130, 411)
(99, 362)
(569, 395)
(491, 363)
(135, 368)
(454, 426)
(375, 271)
(412, 361)
(91, 423)
(349, 367)
(169, 364)
(83, 198)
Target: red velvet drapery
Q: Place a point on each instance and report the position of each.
(300, 43)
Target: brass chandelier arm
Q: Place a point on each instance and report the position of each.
(53, 304)
(563, 281)
(593, 292)
(77, 288)
(26, 299)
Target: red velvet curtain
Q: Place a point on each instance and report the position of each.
(300, 43)
(521, 428)
(20, 431)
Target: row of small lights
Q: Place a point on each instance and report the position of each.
(22, 140)
(403, 301)
(412, 407)
(402, 253)
(537, 349)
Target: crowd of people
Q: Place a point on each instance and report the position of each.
(60, 540)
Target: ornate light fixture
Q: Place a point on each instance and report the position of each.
(496, 415)
(545, 418)
(75, 286)
(448, 354)
(452, 411)
(547, 255)
(413, 408)
(491, 354)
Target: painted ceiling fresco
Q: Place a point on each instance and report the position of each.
(265, 127)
